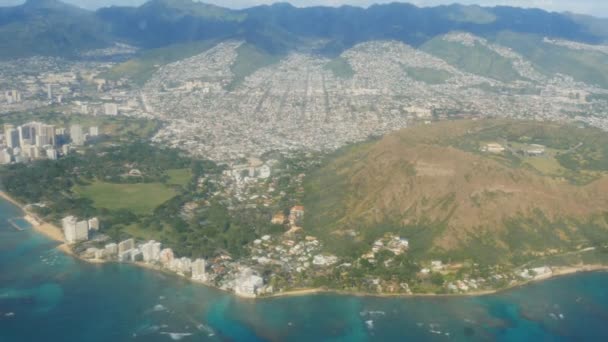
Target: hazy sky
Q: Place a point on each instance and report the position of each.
(593, 7)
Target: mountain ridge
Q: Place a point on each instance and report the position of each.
(282, 27)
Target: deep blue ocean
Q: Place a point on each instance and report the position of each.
(48, 296)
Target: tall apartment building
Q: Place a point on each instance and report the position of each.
(126, 245)
(74, 230)
(110, 109)
(11, 136)
(151, 251)
(77, 135)
(94, 224)
(198, 269)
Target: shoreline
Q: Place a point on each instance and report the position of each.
(54, 233)
(49, 230)
(557, 272)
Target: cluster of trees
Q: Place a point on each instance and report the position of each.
(212, 229)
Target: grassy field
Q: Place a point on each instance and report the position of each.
(179, 176)
(141, 198)
(546, 165)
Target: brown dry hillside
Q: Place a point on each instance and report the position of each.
(422, 183)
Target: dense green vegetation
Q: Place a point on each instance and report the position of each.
(581, 154)
(428, 75)
(476, 59)
(587, 66)
(141, 68)
(340, 68)
(471, 14)
(179, 177)
(249, 59)
(48, 27)
(150, 205)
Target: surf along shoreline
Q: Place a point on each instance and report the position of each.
(55, 233)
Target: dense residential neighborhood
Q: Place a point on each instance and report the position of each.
(302, 101)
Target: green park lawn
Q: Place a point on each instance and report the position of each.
(140, 198)
(179, 176)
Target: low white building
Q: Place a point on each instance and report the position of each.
(324, 260)
(248, 284)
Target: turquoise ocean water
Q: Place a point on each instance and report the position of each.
(48, 296)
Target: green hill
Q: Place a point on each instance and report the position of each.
(141, 68)
(583, 65)
(476, 59)
(49, 27)
(248, 60)
(434, 186)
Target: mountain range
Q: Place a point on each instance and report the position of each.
(50, 27)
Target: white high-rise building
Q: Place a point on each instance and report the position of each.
(26, 135)
(166, 256)
(5, 157)
(12, 96)
(111, 249)
(49, 91)
(69, 228)
(82, 230)
(36, 133)
(198, 270)
(77, 135)
(126, 245)
(94, 224)
(74, 230)
(51, 153)
(248, 283)
(151, 251)
(46, 135)
(110, 109)
(93, 131)
(181, 266)
(11, 136)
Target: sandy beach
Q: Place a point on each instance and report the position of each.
(10, 199)
(51, 231)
